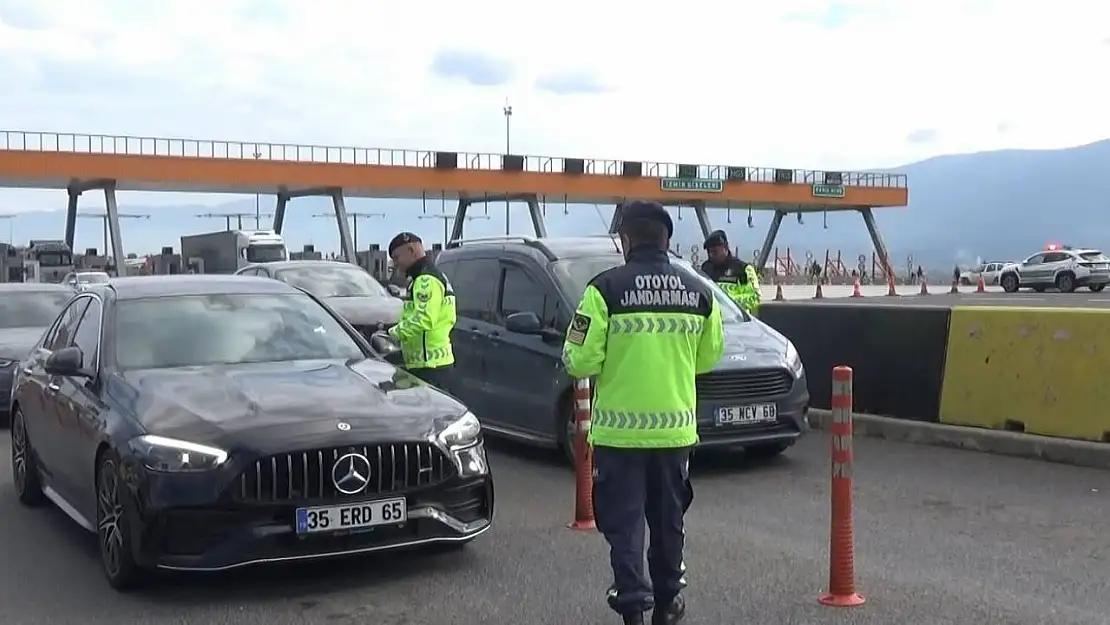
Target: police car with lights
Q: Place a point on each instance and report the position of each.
(1059, 267)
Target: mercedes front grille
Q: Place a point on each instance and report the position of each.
(307, 475)
(750, 384)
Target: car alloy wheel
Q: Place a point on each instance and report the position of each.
(112, 528)
(25, 475)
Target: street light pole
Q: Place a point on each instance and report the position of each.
(257, 210)
(508, 110)
(447, 219)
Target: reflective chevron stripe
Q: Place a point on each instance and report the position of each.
(642, 421)
(662, 325)
(434, 354)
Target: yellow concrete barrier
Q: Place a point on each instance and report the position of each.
(1044, 370)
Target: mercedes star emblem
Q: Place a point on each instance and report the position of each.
(351, 473)
(343, 426)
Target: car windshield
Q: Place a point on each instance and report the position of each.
(31, 309)
(202, 330)
(92, 278)
(575, 273)
(333, 281)
(265, 252)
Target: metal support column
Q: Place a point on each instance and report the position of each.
(769, 240)
(279, 210)
(703, 218)
(615, 222)
(460, 220)
(538, 223)
(877, 240)
(346, 243)
(112, 216)
(71, 216)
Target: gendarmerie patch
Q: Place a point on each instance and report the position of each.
(579, 327)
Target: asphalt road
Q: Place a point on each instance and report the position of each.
(943, 537)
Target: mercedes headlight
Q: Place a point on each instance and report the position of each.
(462, 441)
(793, 360)
(173, 456)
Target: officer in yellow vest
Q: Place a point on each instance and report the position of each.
(645, 329)
(428, 316)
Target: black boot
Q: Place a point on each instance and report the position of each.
(669, 614)
(636, 618)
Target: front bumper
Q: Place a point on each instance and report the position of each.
(790, 424)
(221, 537)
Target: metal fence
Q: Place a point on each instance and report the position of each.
(18, 140)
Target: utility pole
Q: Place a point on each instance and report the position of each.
(508, 110)
(447, 219)
(356, 216)
(118, 262)
(11, 226)
(257, 213)
(227, 217)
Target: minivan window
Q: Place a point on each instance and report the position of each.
(520, 293)
(574, 274)
(475, 283)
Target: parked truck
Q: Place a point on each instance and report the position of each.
(53, 257)
(228, 251)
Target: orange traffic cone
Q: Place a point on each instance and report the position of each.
(778, 293)
(924, 287)
(955, 287)
(855, 288)
(982, 287)
(818, 294)
(890, 290)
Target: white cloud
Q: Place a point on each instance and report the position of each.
(798, 84)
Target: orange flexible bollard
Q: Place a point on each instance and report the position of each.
(982, 286)
(584, 458)
(855, 288)
(842, 567)
(778, 293)
(818, 294)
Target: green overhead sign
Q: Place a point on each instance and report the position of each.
(700, 185)
(828, 190)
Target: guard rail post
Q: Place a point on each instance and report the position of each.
(583, 458)
(842, 571)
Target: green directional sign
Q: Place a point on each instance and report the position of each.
(828, 190)
(701, 185)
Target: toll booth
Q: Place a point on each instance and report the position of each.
(91, 260)
(11, 263)
(308, 253)
(194, 264)
(167, 263)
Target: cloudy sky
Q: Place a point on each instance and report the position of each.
(848, 84)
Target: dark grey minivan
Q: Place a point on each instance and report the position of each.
(515, 296)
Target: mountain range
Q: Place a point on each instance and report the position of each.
(998, 205)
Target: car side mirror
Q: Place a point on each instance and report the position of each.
(526, 322)
(395, 290)
(66, 361)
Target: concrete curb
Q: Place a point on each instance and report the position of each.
(1066, 451)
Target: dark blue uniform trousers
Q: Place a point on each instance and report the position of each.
(632, 486)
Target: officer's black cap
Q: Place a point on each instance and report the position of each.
(715, 238)
(653, 211)
(402, 239)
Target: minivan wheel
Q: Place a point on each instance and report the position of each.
(113, 527)
(1097, 287)
(1065, 282)
(1010, 283)
(25, 471)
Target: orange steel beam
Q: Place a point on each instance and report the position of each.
(55, 160)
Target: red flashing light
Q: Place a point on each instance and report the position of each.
(1051, 247)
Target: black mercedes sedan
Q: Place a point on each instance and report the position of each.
(26, 310)
(348, 289)
(204, 423)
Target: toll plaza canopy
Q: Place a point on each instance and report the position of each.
(82, 162)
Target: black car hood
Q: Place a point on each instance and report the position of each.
(367, 311)
(274, 407)
(16, 343)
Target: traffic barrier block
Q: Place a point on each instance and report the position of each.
(896, 351)
(1035, 370)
